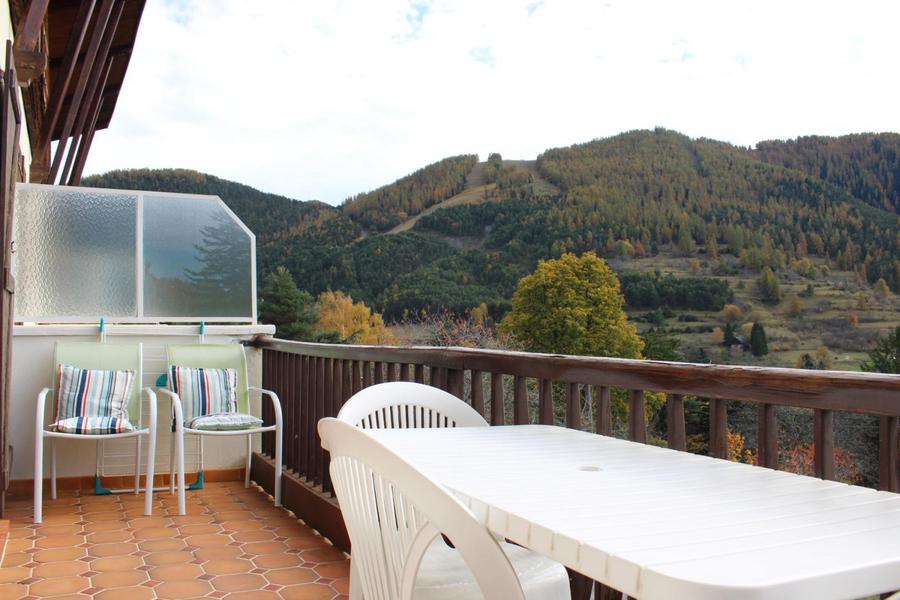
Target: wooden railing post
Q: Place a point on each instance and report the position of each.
(520, 401)
(766, 436)
(675, 429)
(291, 420)
(455, 382)
(420, 373)
(889, 454)
(573, 407)
(824, 444)
(603, 411)
(478, 392)
(637, 417)
(546, 403)
(368, 370)
(379, 373)
(718, 428)
(497, 416)
(318, 465)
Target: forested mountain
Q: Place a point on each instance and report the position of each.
(656, 188)
(638, 194)
(866, 165)
(269, 216)
(393, 204)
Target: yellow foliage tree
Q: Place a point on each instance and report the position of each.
(572, 305)
(351, 321)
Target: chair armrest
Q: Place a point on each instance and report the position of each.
(273, 397)
(151, 403)
(41, 406)
(176, 406)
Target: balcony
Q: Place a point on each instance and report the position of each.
(160, 284)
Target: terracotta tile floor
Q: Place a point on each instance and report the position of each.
(232, 544)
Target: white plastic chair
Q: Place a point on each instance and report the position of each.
(395, 516)
(406, 405)
(401, 404)
(100, 356)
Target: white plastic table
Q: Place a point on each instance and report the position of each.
(664, 525)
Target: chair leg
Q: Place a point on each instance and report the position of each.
(38, 475)
(52, 469)
(151, 458)
(179, 442)
(249, 455)
(278, 448)
(137, 464)
(172, 474)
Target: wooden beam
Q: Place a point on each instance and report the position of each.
(61, 83)
(30, 62)
(93, 90)
(83, 74)
(88, 137)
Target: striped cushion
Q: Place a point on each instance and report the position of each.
(225, 422)
(204, 391)
(92, 393)
(93, 425)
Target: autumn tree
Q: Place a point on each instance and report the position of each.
(769, 288)
(881, 289)
(284, 305)
(572, 305)
(353, 322)
(732, 313)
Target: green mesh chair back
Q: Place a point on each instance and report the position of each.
(105, 357)
(214, 356)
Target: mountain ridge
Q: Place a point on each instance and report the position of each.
(639, 193)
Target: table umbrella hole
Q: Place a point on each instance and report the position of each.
(589, 468)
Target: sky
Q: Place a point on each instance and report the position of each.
(321, 99)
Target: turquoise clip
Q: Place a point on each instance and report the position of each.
(163, 380)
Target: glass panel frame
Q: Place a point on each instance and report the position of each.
(139, 315)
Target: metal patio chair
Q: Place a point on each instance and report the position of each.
(94, 356)
(235, 421)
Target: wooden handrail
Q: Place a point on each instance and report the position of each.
(868, 393)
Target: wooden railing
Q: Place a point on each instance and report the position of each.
(314, 380)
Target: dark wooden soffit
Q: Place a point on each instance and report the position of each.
(60, 18)
(57, 29)
(73, 56)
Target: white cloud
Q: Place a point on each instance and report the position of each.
(326, 99)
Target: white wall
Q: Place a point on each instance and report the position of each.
(32, 366)
(7, 32)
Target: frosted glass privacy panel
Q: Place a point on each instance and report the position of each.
(75, 253)
(197, 259)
